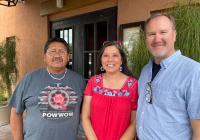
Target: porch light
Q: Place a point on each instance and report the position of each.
(59, 3)
(8, 3)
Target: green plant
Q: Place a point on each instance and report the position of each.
(139, 55)
(8, 69)
(3, 97)
(187, 15)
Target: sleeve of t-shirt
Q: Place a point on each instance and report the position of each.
(193, 97)
(17, 99)
(134, 98)
(89, 87)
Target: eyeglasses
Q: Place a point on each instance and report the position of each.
(54, 52)
(148, 96)
(110, 43)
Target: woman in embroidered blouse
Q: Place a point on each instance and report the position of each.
(110, 98)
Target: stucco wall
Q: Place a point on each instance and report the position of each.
(7, 21)
(31, 30)
(138, 10)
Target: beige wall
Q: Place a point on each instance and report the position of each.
(7, 21)
(31, 30)
(138, 10)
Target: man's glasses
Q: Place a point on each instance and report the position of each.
(148, 96)
(110, 43)
(54, 52)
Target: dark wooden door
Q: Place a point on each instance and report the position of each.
(85, 34)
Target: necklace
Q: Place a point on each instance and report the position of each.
(55, 78)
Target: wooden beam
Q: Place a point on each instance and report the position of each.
(49, 6)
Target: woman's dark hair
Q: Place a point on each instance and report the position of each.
(56, 39)
(118, 45)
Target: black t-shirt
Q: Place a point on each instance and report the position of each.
(155, 70)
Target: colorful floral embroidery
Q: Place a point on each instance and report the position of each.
(98, 78)
(108, 92)
(130, 82)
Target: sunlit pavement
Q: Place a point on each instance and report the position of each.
(5, 132)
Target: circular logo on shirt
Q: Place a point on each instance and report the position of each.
(57, 102)
(58, 99)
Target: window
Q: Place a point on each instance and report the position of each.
(67, 35)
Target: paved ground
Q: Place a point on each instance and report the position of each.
(5, 132)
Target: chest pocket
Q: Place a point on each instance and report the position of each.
(166, 95)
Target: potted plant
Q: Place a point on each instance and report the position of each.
(187, 17)
(8, 76)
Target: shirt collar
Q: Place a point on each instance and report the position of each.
(166, 62)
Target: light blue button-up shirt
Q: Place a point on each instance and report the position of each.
(175, 102)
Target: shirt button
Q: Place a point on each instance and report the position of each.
(142, 112)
